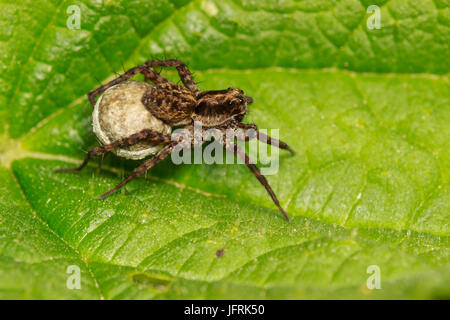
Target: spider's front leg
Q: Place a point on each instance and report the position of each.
(144, 135)
(183, 71)
(231, 147)
(263, 137)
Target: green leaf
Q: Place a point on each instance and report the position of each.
(366, 110)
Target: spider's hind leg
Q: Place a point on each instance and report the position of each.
(102, 160)
(163, 153)
(148, 72)
(144, 135)
(91, 154)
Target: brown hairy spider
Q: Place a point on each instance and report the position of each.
(176, 105)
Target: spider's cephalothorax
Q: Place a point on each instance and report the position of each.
(134, 119)
(176, 105)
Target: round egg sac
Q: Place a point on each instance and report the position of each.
(120, 113)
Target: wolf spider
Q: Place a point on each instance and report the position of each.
(176, 105)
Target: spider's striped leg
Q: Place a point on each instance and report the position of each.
(163, 153)
(144, 135)
(255, 170)
(183, 71)
(263, 137)
(148, 72)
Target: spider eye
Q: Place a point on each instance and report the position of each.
(235, 101)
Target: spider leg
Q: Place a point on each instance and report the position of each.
(144, 135)
(183, 71)
(153, 76)
(265, 138)
(91, 154)
(143, 168)
(278, 143)
(255, 170)
(102, 160)
(149, 74)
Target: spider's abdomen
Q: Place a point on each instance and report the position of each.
(120, 113)
(170, 102)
